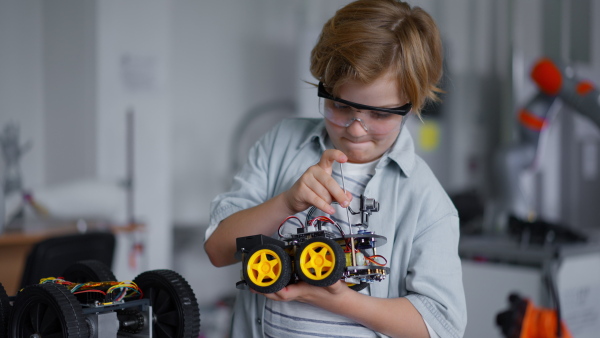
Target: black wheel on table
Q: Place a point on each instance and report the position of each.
(89, 271)
(47, 310)
(175, 311)
(5, 309)
(267, 268)
(320, 261)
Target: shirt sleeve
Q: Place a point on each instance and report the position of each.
(434, 281)
(251, 186)
(432, 333)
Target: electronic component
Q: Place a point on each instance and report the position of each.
(319, 257)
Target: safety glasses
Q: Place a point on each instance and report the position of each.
(343, 113)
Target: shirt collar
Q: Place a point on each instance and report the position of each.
(317, 134)
(402, 151)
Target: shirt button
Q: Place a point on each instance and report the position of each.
(259, 321)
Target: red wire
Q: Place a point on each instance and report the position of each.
(285, 220)
(321, 218)
(102, 292)
(370, 259)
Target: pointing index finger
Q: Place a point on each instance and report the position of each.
(326, 163)
(330, 156)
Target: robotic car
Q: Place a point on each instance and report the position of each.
(157, 303)
(318, 257)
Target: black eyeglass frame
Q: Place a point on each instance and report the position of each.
(402, 110)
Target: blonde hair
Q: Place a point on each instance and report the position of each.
(368, 38)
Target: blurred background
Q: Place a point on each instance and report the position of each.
(143, 110)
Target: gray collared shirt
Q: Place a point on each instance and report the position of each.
(416, 215)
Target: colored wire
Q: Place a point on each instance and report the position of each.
(329, 220)
(76, 287)
(287, 219)
(320, 218)
(372, 260)
(123, 293)
(54, 281)
(326, 220)
(91, 290)
(125, 289)
(340, 230)
(309, 214)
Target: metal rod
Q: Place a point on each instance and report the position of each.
(348, 216)
(129, 160)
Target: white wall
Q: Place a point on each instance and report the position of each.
(68, 60)
(134, 74)
(21, 81)
(66, 81)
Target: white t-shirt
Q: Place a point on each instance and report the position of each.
(296, 319)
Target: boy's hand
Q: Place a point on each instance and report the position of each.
(316, 187)
(306, 293)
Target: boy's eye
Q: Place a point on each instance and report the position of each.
(341, 106)
(376, 115)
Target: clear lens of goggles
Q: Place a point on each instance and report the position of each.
(374, 122)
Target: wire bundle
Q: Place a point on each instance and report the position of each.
(114, 291)
(313, 222)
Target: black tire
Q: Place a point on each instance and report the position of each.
(89, 271)
(48, 310)
(279, 266)
(5, 309)
(330, 263)
(358, 287)
(175, 311)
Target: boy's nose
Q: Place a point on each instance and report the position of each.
(357, 127)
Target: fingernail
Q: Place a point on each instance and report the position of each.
(331, 211)
(345, 203)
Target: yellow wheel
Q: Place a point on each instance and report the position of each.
(320, 261)
(268, 268)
